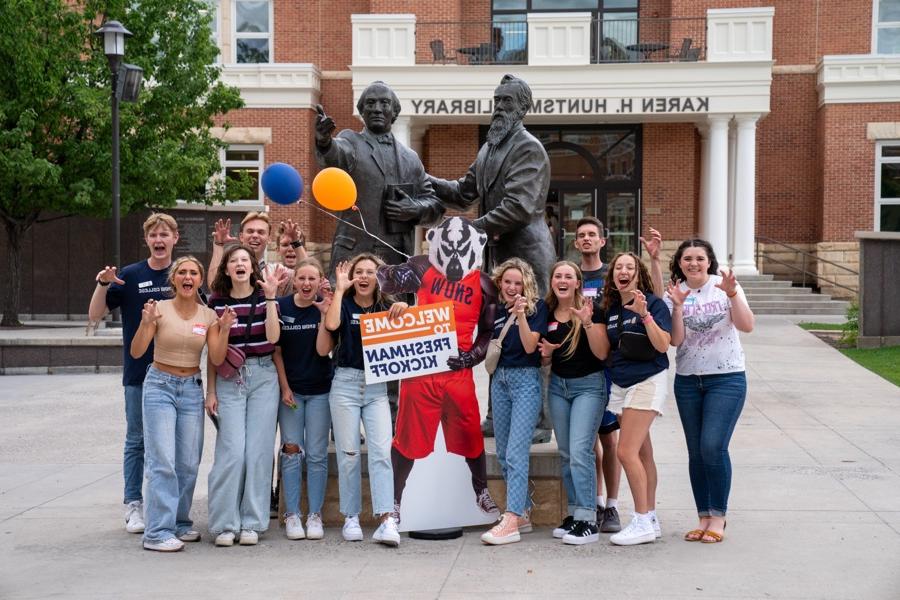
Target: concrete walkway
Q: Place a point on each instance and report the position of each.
(815, 507)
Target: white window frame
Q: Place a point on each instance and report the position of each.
(237, 35)
(235, 205)
(880, 160)
(216, 7)
(877, 26)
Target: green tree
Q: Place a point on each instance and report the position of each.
(55, 118)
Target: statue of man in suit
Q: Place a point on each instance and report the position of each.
(393, 192)
(510, 178)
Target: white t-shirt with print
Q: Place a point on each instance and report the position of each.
(711, 344)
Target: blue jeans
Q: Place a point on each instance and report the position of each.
(352, 402)
(576, 407)
(709, 406)
(133, 464)
(173, 434)
(307, 426)
(516, 400)
(240, 482)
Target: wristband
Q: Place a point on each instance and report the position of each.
(103, 283)
(647, 318)
(588, 326)
(732, 295)
(296, 244)
(271, 299)
(218, 243)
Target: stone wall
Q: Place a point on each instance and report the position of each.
(843, 253)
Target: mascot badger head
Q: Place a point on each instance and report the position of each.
(455, 247)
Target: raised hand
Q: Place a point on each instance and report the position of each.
(342, 280)
(324, 127)
(271, 281)
(584, 313)
(108, 275)
(639, 304)
(676, 295)
(292, 230)
(222, 232)
(519, 305)
(325, 287)
(728, 283)
(547, 348)
(150, 312)
(327, 296)
(653, 244)
(397, 309)
(226, 320)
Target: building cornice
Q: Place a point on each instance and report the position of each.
(855, 79)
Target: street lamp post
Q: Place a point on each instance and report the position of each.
(126, 82)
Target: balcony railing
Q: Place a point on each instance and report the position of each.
(611, 41)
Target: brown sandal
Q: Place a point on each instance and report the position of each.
(716, 537)
(694, 535)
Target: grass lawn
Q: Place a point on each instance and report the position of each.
(883, 361)
(824, 326)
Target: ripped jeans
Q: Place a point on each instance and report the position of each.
(353, 402)
(306, 426)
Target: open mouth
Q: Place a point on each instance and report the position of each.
(623, 281)
(240, 272)
(188, 286)
(159, 247)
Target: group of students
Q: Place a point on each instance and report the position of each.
(604, 333)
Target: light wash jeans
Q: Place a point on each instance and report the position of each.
(709, 407)
(173, 435)
(240, 482)
(576, 406)
(516, 398)
(307, 426)
(133, 463)
(352, 402)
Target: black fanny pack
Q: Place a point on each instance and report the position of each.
(636, 346)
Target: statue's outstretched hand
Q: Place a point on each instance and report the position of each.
(324, 127)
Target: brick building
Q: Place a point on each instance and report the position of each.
(751, 123)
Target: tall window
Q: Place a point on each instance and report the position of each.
(239, 162)
(887, 186)
(253, 31)
(886, 27)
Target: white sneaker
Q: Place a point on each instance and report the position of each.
(351, 531)
(134, 517)
(387, 533)
(191, 535)
(293, 527)
(314, 528)
(639, 531)
(169, 545)
(657, 530)
(226, 538)
(249, 537)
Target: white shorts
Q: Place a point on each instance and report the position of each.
(649, 394)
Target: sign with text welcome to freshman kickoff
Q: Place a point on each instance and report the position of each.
(419, 342)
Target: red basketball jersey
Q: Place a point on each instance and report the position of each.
(466, 297)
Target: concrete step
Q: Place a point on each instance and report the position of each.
(788, 291)
(806, 312)
(804, 304)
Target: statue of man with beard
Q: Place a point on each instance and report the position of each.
(509, 178)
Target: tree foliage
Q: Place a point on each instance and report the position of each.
(55, 118)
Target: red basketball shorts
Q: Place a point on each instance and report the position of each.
(446, 398)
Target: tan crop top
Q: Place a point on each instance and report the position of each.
(179, 342)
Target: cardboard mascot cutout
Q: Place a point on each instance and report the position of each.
(450, 272)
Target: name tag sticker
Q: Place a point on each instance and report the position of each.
(552, 326)
(355, 316)
(590, 292)
(199, 329)
(144, 284)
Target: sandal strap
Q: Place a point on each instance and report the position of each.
(715, 536)
(694, 535)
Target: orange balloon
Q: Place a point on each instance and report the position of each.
(334, 189)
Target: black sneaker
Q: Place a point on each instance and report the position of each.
(609, 521)
(564, 527)
(584, 532)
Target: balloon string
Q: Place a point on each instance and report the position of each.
(363, 228)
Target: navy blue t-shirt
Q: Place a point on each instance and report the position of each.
(593, 282)
(349, 350)
(513, 353)
(307, 372)
(625, 372)
(583, 361)
(141, 284)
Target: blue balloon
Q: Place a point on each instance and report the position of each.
(282, 183)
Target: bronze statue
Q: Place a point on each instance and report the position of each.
(393, 192)
(510, 178)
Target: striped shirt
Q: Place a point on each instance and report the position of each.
(257, 345)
